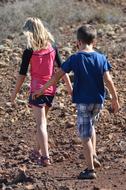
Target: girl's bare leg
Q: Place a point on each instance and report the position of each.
(42, 135)
(37, 141)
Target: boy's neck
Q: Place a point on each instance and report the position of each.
(86, 48)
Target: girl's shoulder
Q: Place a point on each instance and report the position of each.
(28, 51)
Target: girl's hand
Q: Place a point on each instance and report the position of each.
(13, 96)
(12, 100)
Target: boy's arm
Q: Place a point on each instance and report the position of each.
(66, 76)
(18, 85)
(110, 85)
(55, 78)
(67, 81)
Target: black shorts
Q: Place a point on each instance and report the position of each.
(41, 101)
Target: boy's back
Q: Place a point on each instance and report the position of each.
(88, 68)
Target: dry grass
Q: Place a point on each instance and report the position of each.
(54, 13)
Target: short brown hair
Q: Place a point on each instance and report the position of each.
(86, 34)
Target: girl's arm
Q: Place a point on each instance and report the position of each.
(17, 88)
(22, 73)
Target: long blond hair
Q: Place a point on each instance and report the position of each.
(37, 35)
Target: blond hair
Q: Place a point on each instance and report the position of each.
(37, 35)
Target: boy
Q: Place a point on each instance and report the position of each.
(91, 70)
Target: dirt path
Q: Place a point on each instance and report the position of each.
(17, 126)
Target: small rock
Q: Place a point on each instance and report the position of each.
(21, 178)
(3, 64)
(96, 188)
(7, 42)
(69, 125)
(29, 187)
(60, 159)
(64, 188)
(6, 187)
(81, 156)
(10, 36)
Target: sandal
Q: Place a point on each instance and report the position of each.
(44, 161)
(34, 155)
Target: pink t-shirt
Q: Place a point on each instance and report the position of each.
(42, 69)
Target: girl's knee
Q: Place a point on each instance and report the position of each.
(42, 128)
(86, 139)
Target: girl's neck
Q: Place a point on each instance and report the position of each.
(86, 48)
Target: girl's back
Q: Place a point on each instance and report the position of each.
(42, 68)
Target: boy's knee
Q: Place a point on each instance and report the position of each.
(86, 139)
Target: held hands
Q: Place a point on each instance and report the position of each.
(70, 91)
(40, 92)
(37, 93)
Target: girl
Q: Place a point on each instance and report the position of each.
(41, 54)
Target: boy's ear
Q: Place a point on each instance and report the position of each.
(94, 43)
(78, 43)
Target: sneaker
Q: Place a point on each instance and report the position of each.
(97, 164)
(87, 174)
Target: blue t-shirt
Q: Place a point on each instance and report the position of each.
(88, 69)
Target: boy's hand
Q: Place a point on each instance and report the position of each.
(70, 91)
(37, 93)
(115, 105)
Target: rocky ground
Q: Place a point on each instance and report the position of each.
(17, 125)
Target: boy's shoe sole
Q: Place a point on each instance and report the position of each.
(97, 164)
(87, 174)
